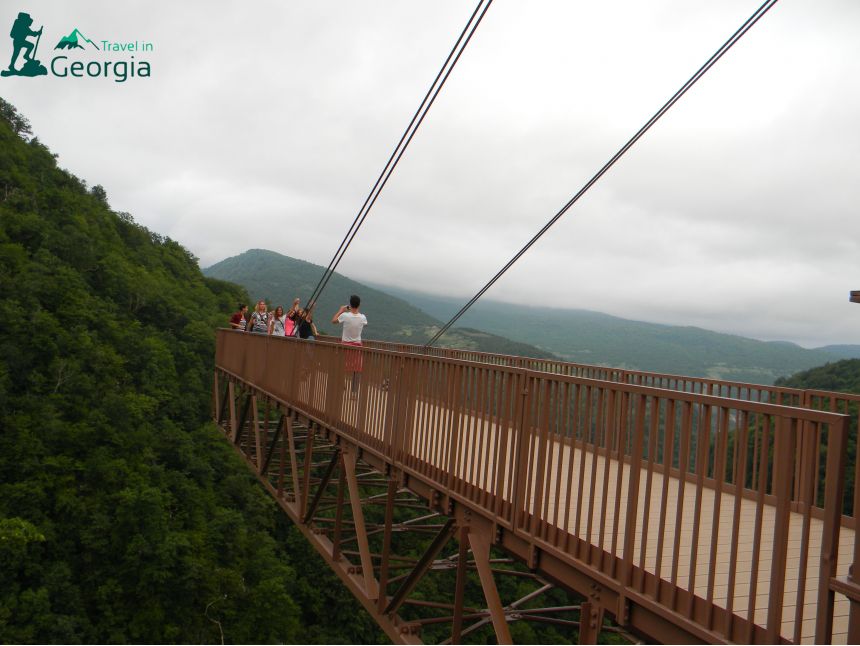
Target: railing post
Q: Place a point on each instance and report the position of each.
(454, 456)
(406, 399)
(521, 450)
(783, 450)
(834, 481)
(853, 573)
(805, 450)
(391, 407)
(633, 491)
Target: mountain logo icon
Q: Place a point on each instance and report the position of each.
(73, 41)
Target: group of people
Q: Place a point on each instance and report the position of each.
(298, 321)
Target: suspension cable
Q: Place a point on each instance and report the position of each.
(743, 29)
(442, 76)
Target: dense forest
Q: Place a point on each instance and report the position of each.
(840, 376)
(123, 515)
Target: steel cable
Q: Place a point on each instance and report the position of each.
(743, 29)
(452, 58)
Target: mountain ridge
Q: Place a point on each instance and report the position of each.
(588, 336)
(279, 279)
(575, 335)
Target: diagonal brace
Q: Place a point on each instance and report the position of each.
(422, 566)
(481, 551)
(278, 429)
(323, 484)
(224, 401)
(242, 419)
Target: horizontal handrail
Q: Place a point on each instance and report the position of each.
(775, 393)
(815, 399)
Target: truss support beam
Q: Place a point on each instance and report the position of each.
(460, 585)
(311, 510)
(480, 545)
(421, 567)
(349, 460)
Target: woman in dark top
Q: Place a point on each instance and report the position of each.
(304, 320)
(238, 320)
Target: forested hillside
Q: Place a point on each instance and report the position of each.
(842, 376)
(280, 279)
(123, 516)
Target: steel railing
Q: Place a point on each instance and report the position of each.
(724, 511)
(813, 399)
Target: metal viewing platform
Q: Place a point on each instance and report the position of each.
(690, 510)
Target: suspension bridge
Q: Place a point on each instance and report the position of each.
(688, 510)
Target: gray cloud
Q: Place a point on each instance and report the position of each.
(265, 124)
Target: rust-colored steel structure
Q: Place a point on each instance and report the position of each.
(690, 510)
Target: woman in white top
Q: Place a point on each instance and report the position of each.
(278, 323)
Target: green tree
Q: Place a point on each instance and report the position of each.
(124, 516)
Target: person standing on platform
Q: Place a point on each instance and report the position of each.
(259, 321)
(238, 320)
(278, 323)
(353, 323)
(290, 324)
(304, 322)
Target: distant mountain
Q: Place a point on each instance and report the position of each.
(590, 337)
(842, 351)
(279, 279)
(72, 41)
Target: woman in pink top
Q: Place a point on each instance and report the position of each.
(291, 325)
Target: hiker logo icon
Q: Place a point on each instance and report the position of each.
(21, 31)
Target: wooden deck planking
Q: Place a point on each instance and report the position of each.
(477, 437)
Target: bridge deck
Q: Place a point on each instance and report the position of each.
(671, 539)
(707, 517)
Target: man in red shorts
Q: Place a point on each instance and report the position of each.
(353, 323)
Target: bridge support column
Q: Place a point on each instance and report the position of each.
(590, 622)
(294, 462)
(258, 441)
(231, 396)
(480, 544)
(460, 586)
(370, 584)
(386, 543)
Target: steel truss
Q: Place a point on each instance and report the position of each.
(389, 541)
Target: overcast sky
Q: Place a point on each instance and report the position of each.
(265, 124)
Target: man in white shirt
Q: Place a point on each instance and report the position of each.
(353, 323)
(352, 320)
